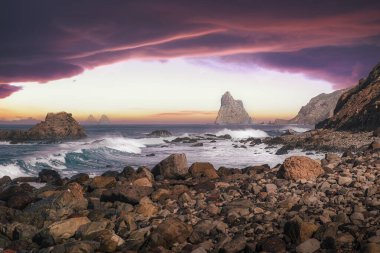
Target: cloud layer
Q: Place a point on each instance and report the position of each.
(6, 90)
(49, 40)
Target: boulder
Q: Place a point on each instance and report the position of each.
(170, 232)
(49, 176)
(75, 247)
(127, 194)
(109, 241)
(309, 246)
(299, 231)
(65, 229)
(206, 170)
(57, 206)
(376, 132)
(300, 167)
(17, 196)
(101, 182)
(146, 207)
(173, 167)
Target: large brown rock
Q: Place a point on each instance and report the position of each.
(203, 170)
(127, 194)
(300, 167)
(173, 167)
(65, 229)
(359, 107)
(170, 232)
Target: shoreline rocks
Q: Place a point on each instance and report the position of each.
(327, 206)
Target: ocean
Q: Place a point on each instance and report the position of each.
(112, 147)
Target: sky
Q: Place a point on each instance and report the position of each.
(170, 61)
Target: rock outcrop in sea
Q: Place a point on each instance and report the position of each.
(104, 120)
(56, 127)
(359, 107)
(91, 120)
(232, 112)
(317, 109)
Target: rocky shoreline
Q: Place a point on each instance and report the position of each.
(332, 205)
(325, 140)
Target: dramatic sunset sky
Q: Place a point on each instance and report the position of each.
(170, 61)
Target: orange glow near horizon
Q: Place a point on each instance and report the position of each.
(176, 91)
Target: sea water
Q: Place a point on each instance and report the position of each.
(112, 147)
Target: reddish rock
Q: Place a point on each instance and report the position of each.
(203, 170)
(300, 167)
(173, 167)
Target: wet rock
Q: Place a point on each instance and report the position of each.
(170, 232)
(273, 244)
(146, 207)
(108, 240)
(58, 206)
(207, 170)
(127, 194)
(309, 246)
(49, 176)
(74, 247)
(299, 231)
(17, 196)
(102, 182)
(237, 244)
(300, 167)
(173, 167)
(65, 229)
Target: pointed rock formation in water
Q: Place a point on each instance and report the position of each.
(359, 107)
(91, 120)
(104, 120)
(317, 109)
(232, 112)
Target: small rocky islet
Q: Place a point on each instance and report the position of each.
(302, 205)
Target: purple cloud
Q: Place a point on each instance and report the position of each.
(49, 40)
(6, 90)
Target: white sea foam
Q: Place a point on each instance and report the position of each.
(12, 170)
(295, 128)
(243, 133)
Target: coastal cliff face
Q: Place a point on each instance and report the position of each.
(232, 112)
(317, 109)
(56, 127)
(359, 107)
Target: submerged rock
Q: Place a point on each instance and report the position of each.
(160, 133)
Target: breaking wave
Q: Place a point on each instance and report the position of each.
(243, 134)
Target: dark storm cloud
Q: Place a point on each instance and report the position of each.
(6, 90)
(52, 39)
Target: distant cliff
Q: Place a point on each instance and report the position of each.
(232, 112)
(359, 107)
(317, 109)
